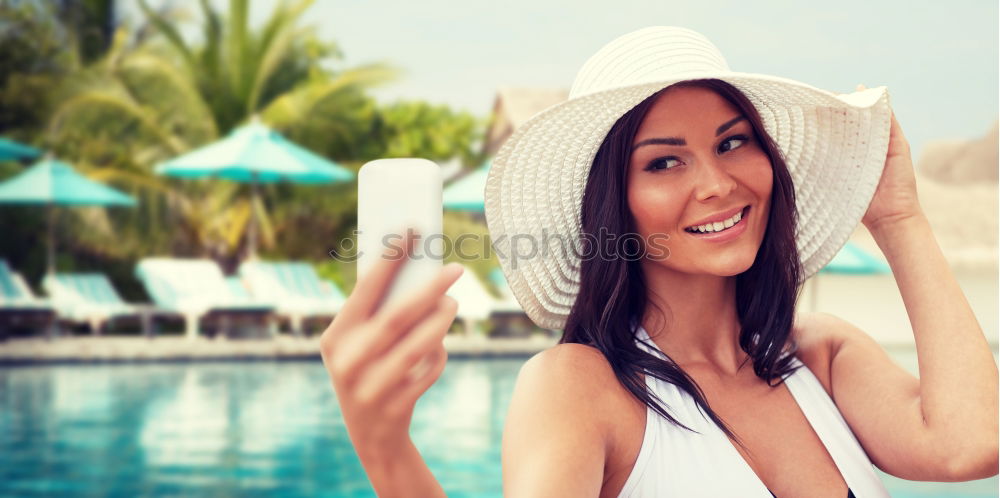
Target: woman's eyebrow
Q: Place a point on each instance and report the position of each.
(727, 125)
(680, 141)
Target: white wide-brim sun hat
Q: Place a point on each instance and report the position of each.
(834, 146)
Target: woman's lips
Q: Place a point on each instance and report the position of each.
(726, 234)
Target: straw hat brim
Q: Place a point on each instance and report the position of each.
(834, 145)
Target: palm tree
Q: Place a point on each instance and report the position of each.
(145, 102)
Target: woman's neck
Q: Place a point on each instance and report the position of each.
(698, 323)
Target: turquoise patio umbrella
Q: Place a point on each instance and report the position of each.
(851, 260)
(255, 154)
(51, 182)
(467, 193)
(11, 150)
(854, 260)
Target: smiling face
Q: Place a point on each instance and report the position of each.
(696, 158)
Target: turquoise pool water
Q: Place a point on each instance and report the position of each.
(250, 429)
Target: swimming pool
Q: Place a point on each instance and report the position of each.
(250, 429)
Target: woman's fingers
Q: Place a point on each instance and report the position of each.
(361, 345)
(383, 379)
(345, 358)
(418, 383)
(857, 88)
(398, 318)
(370, 290)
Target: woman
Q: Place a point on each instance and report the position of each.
(722, 192)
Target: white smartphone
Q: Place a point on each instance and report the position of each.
(395, 195)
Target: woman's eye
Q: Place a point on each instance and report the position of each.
(727, 145)
(660, 163)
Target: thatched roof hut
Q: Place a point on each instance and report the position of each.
(514, 106)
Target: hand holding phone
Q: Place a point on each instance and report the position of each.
(385, 348)
(395, 195)
(381, 359)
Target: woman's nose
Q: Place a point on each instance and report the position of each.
(713, 180)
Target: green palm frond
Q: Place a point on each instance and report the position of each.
(298, 105)
(163, 95)
(169, 31)
(118, 103)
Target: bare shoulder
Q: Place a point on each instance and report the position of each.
(816, 335)
(556, 430)
(822, 337)
(572, 374)
(578, 362)
(878, 399)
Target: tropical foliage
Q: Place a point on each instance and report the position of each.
(116, 100)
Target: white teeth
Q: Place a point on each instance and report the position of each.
(717, 226)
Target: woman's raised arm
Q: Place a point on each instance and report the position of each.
(944, 426)
(381, 360)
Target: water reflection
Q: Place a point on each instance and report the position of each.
(187, 427)
(257, 428)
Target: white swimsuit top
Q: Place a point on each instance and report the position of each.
(674, 462)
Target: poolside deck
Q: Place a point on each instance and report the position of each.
(897, 341)
(85, 349)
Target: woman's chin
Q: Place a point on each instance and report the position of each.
(727, 267)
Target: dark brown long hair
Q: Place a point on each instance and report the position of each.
(613, 295)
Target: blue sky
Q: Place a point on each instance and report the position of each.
(939, 61)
